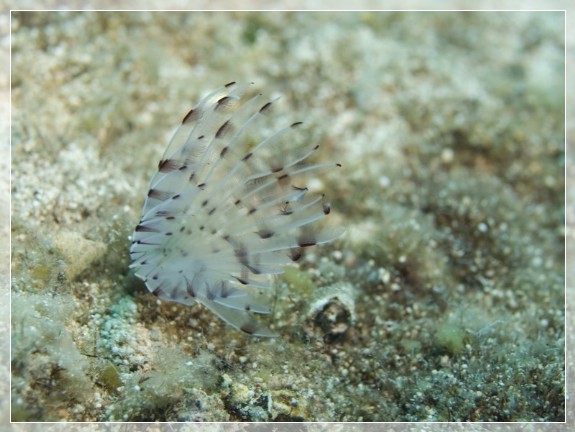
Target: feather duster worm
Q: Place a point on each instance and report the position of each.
(225, 211)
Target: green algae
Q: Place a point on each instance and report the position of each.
(450, 337)
(110, 378)
(300, 281)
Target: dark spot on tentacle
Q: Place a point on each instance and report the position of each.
(168, 165)
(223, 129)
(241, 254)
(249, 328)
(306, 240)
(158, 291)
(143, 228)
(159, 194)
(222, 102)
(285, 209)
(210, 295)
(265, 108)
(295, 254)
(225, 290)
(192, 115)
(189, 287)
(265, 233)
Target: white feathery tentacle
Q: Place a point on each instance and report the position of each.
(223, 213)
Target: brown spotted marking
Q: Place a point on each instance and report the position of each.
(168, 165)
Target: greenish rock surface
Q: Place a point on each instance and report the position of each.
(450, 129)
